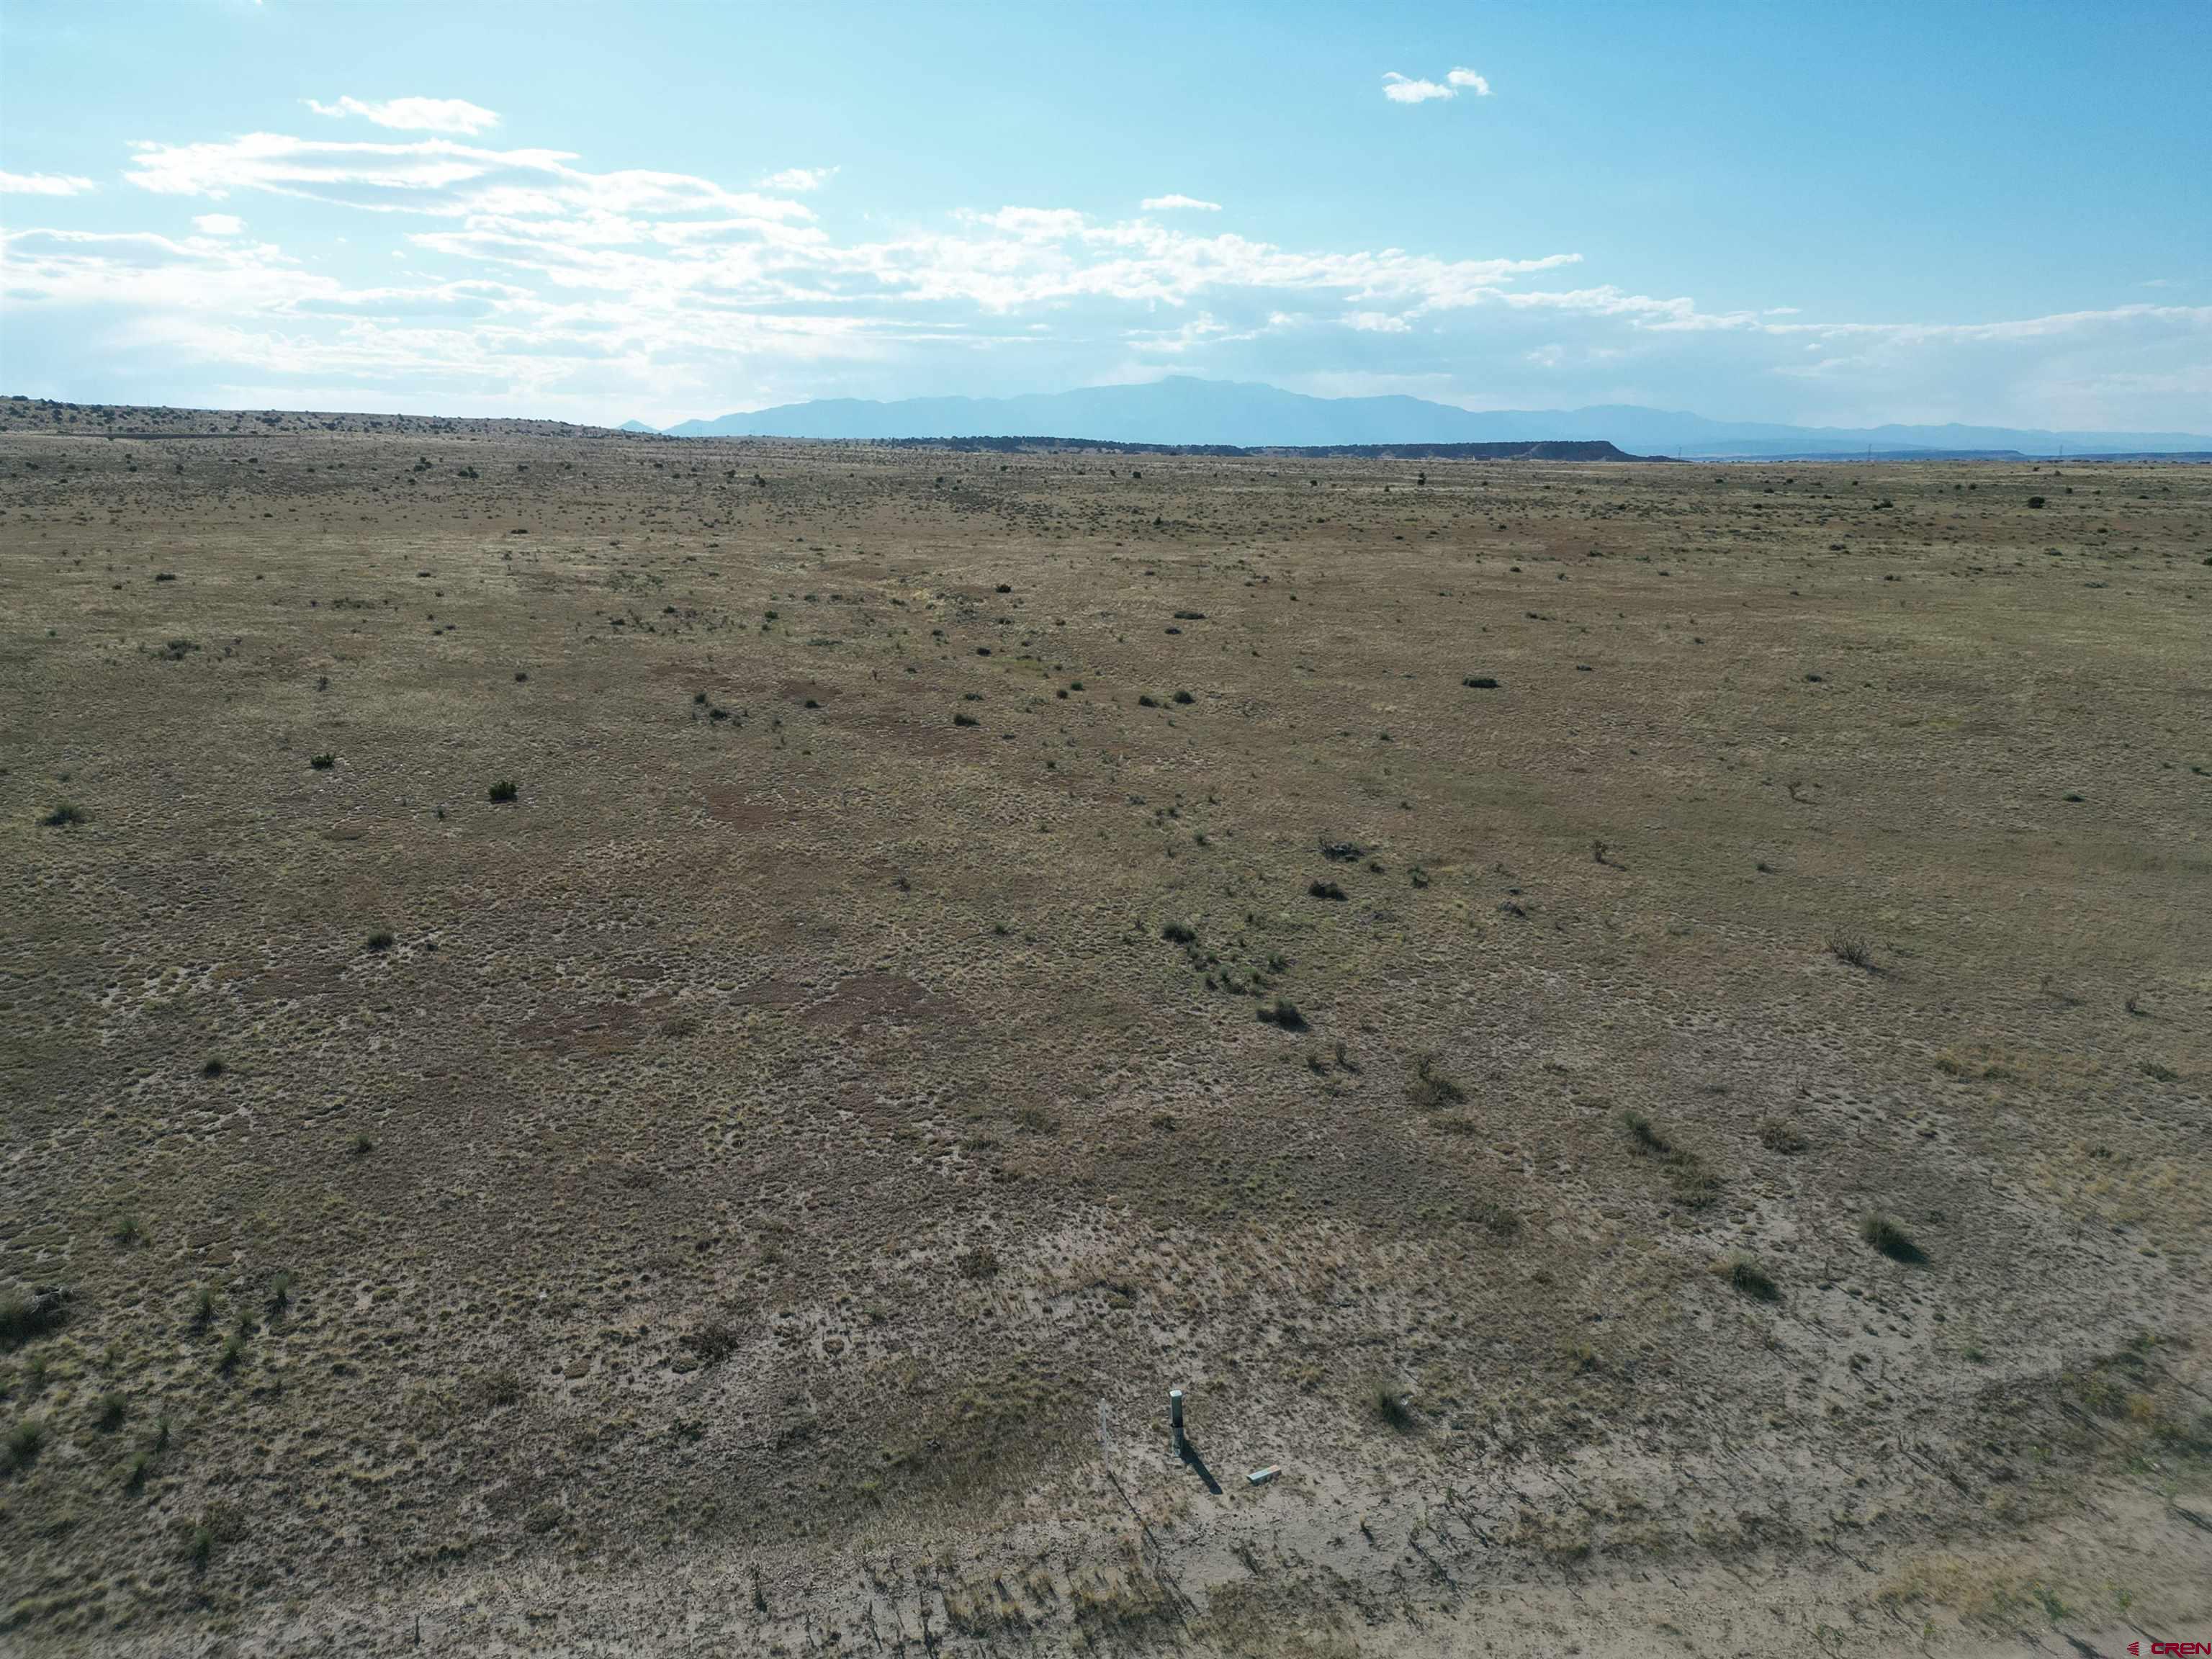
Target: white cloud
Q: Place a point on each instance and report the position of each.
(153, 275)
(798, 179)
(1205, 329)
(438, 177)
(562, 290)
(1165, 204)
(44, 184)
(1037, 224)
(414, 114)
(1405, 90)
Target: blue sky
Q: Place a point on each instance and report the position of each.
(1832, 214)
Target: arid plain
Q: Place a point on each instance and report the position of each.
(615, 1044)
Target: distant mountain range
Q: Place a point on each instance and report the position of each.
(1184, 410)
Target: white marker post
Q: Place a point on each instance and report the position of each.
(1174, 1418)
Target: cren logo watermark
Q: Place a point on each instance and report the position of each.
(2172, 1646)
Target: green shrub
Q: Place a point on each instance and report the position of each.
(714, 1341)
(1432, 1089)
(24, 1443)
(1753, 1280)
(1891, 1240)
(1395, 1411)
(23, 1316)
(1850, 949)
(1695, 1185)
(1497, 1221)
(1779, 1137)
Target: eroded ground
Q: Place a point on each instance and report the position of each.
(980, 940)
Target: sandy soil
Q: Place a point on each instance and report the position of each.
(978, 941)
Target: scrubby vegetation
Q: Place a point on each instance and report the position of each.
(673, 1138)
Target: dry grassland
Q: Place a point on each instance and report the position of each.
(1641, 1031)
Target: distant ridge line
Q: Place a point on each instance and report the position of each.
(1531, 449)
(1184, 411)
(1316, 426)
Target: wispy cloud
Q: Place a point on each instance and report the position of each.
(1406, 89)
(439, 177)
(560, 288)
(1168, 203)
(414, 114)
(44, 184)
(154, 277)
(798, 179)
(1203, 329)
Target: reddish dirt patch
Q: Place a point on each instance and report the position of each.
(866, 998)
(923, 726)
(741, 812)
(295, 982)
(770, 993)
(608, 1028)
